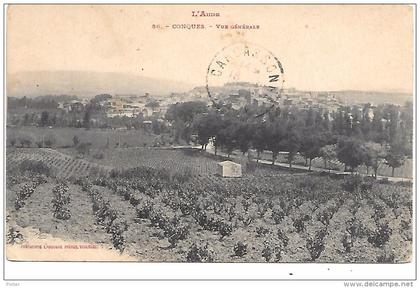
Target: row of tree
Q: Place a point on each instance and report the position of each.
(353, 135)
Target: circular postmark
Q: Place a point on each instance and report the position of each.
(245, 74)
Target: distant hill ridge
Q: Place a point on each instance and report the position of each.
(87, 84)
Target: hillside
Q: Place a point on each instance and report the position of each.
(87, 84)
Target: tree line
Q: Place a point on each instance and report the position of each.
(354, 135)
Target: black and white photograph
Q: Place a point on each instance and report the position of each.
(209, 133)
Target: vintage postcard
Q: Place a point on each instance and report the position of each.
(209, 133)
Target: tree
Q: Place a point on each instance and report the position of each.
(350, 152)
(157, 127)
(101, 98)
(44, 119)
(26, 119)
(395, 157)
(373, 155)
(258, 139)
(227, 136)
(291, 143)
(185, 111)
(206, 127)
(274, 137)
(87, 116)
(200, 125)
(244, 136)
(310, 145)
(182, 116)
(75, 140)
(328, 153)
(152, 104)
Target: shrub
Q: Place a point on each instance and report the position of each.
(134, 200)
(404, 183)
(34, 166)
(352, 183)
(267, 252)
(183, 176)
(108, 218)
(347, 242)
(99, 155)
(224, 228)
(40, 179)
(176, 232)
(100, 181)
(200, 253)
(186, 205)
(14, 236)
(279, 250)
(278, 215)
(384, 180)
(380, 236)
(61, 201)
(386, 258)
(158, 218)
(299, 225)
(240, 249)
(316, 245)
(246, 203)
(246, 220)
(24, 192)
(251, 166)
(76, 140)
(144, 209)
(117, 228)
(262, 231)
(326, 215)
(284, 240)
(367, 185)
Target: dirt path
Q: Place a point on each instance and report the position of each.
(37, 215)
(38, 246)
(210, 150)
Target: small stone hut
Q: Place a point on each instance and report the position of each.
(229, 169)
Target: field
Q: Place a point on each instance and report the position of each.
(98, 137)
(62, 166)
(106, 141)
(173, 208)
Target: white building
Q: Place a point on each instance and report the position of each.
(229, 169)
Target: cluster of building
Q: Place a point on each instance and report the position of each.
(237, 94)
(133, 105)
(326, 101)
(121, 105)
(73, 105)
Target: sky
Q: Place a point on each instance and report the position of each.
(332, 47)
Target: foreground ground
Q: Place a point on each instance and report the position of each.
(176, 209)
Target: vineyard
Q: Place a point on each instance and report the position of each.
(191, 161)
(63, 166)
(171, 159)
(153, 214)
